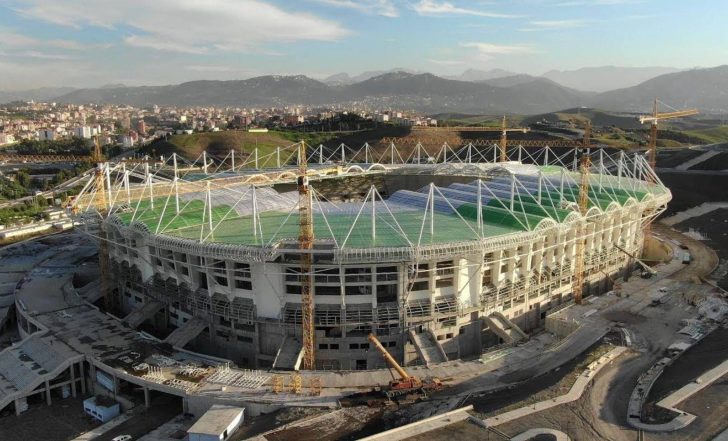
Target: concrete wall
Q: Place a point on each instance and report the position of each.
(560, 328)
(198, 405)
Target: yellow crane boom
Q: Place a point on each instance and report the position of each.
(389, 359)
(653, 120)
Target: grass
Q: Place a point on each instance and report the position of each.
(711, 135)
(219, 144)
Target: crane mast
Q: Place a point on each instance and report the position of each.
(652, 144)
(102, 202)
(653, 119)
(581, 235)
(305, 244)
(503, 144)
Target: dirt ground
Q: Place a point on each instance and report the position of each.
(267, 422)
(600, 414)
(163, 409)
(544, 387)
(710, 352)
(336, 425)
(705, 259)
(715, 226)
(62, 421)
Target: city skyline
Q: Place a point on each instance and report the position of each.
(69, 43)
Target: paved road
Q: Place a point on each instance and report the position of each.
(163, 409)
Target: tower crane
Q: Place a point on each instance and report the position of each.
(305, 244)
(653, 119)
(578, 286)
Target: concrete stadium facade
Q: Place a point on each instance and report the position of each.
(406, 256)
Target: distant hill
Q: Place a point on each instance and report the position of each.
(511, 80)
(424, 92)
(604, 78)
(268, 90)
(481, 75)
(343, 78)
(597, 118)
(706, 89)
(431, 93)
(40, 94)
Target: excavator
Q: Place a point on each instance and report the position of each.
(407, 384)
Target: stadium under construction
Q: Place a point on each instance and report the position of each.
(439, 255)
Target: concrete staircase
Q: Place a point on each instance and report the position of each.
(186, 333)
(428, 348)
(92, 291)
(697, 160)
(504, 328)
(139, 316)
(290, 355)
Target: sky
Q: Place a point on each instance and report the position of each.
(90, 43)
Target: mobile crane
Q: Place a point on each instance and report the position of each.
(406, 384)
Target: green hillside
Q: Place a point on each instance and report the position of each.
(219, 144)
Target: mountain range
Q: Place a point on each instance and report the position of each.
(706, 89)
(39, 94)
(606, 78)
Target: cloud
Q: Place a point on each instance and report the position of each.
(384, 8)
(553, 25)
(44, 56)
(497, 49)
(164, 44)
(188, 26)
(446, 62)
(439, 8)
(9, 38)
(596, 2)
(221, 68)
(31, 72)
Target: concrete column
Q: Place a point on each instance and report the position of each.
(116, 385)
(17, 406)
(185, 406)
(48, 392)
(73, 379)
(92, 374)
(83, 378)
(147, 401)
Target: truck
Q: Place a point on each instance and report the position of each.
(406, 384)
(686, 258)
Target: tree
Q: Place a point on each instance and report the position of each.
(23, 178)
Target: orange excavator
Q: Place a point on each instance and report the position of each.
(406, 384)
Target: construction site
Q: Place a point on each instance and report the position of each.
(425, 289)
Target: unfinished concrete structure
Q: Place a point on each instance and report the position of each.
(438, 254)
